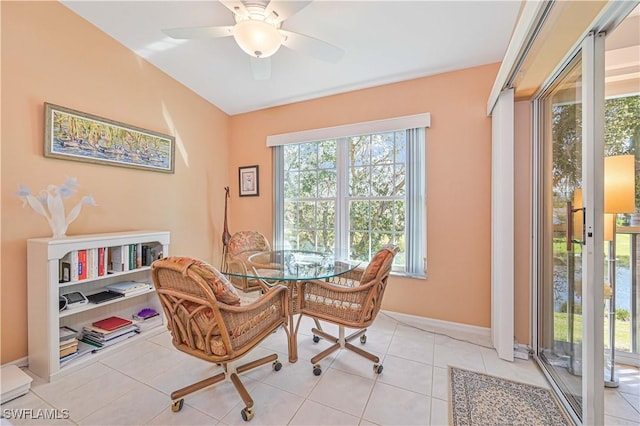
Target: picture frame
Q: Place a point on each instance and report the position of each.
(78, 136)
(248, 180)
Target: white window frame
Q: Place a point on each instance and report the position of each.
(415, 228)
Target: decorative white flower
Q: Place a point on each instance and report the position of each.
(49, 204)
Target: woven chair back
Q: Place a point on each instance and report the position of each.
(252, 241)
(190, 305)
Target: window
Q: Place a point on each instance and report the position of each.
(352, 195)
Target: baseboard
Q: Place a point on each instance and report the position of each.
(20, 362)
(430, 323)
(632, 360)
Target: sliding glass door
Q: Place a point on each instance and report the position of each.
(561, 227)
(585, 242)
(586, 222)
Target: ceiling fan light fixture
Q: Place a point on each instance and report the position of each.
(257, 38)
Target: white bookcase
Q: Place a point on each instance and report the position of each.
(44, 289)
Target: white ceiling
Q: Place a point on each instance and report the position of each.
(384, 42)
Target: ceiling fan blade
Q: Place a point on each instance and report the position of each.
(236, 6)
(277, 11)
(199, 32)
(261, 68)
(311, 46)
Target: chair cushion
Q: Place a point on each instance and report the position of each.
(204, 321)
(247, 240)
(381, 258)
(224, 291)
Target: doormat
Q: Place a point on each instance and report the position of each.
(481, 399)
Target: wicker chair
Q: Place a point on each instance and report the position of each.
(242, 245)
(350, 300)
(206, 320)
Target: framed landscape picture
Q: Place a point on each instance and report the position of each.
(248, 180)
(74, 135)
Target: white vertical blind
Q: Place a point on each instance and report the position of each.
(502, 226)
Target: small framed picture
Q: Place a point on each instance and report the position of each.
(248, 180)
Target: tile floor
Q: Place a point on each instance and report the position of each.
(131, 386)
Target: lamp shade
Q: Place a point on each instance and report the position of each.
(609, 226)
(619, 184)
(257, 38)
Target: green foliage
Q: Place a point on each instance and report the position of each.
(375, 193)
(622, 136)
(622, 314)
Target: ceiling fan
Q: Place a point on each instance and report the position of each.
(258, 31)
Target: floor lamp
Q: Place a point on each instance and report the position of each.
(619, 197)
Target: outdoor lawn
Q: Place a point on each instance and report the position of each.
(623, 331)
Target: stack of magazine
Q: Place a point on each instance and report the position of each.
(147, 318)
(68, 343)
(129, 288)
(108, 331)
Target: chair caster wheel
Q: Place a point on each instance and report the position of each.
(316, 339)
(317, 370)
(247, 414)
(177, 405)
(377, 368)
(277, 365)
(363, 339)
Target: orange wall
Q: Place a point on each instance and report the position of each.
(458, 181)
(49, 54)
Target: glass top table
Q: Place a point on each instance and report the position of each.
(287, 267)
(294, 265)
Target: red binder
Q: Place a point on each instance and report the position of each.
(112, 323)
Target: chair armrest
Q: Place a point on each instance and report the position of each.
(237, 266)
(255, 320)
(324, 300)
(348, 279)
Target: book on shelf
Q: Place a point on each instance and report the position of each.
(99, 334)
(129, 287)
(116, 259)
(68, 351)
(92, 262)
(98, 343)
(132, 256)
(136, 292)
(112, 323)
(83, 348)
(67, 333)
(147, 318)
(68, 346)
(101, 261)
(73, 341)
(82, 264)
(149, 253)
(70, 259)
(149, 323)
(139, 255)
(68, 357)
